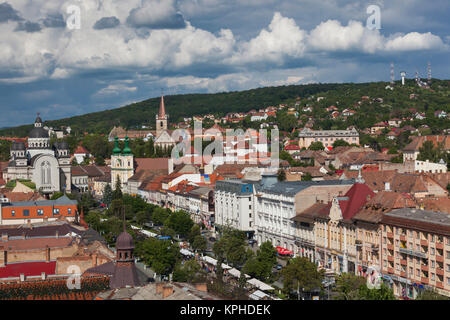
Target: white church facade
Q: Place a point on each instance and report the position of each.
(45, 165)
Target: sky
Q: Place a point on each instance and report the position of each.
(127, 51)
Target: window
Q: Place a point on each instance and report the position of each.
(55, 212)
(448, 267)
(432, 238)
(13, 213)
(432, 251)
(432, 263)
(69, 211)
(432, 276)
(448, 254)
(26, 212)
(417, 272)
(410, 270)
(40, 212)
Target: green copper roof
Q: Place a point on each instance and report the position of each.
(127, 149)
(116, 150)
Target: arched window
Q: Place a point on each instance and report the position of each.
(45, 172)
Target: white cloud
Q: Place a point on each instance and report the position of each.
(332, 36)
(60, 53)
(283, 38)
(159, 14)
(114, 89)
(415, 41)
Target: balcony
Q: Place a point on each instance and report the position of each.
(439, 245)
(424, 267)
(440, 259)
(390, 270)
(440, 285)
(402, 238)
(424, 280)
(403, 262)
(439, 271)
(403, 274)
(390, 258)
(390, 247)
(424, 242)
(412, 253)
(390, 235)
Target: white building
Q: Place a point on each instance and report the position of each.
(235, 205)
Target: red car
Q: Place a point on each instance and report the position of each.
(102, 205)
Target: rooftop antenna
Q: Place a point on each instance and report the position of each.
(417, 76)
(429, 73)
(403, 75)
(392, 74)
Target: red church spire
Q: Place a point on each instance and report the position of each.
(162, 109)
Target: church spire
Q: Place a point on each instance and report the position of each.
(162, 109)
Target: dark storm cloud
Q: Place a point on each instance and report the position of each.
(28, 26)
(54, 21)
(7, 12)
(106, 23)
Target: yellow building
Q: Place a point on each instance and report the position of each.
(122, 165)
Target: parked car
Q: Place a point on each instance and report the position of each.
(279, 267)
(212, 239)
(103, 205)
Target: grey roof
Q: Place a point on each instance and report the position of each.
(235, 186)
(201, 191)
(293, 187)
(441, 218)
(64, 200)
(38, 132)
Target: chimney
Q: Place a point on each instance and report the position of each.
(43, 275)
(47, 253)
(4, 237)
(4, 261)
(22, 277)
(387, 186)
(167, 291)
(159, 287)
(170, 166)
(94, 260)
(201, 287)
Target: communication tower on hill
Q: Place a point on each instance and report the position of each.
(429, 73)
(403, 75)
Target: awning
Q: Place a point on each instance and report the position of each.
(236, 273)
(258, 295)
(213, 261)
(186, 252)
(260, 285)
(282, 250)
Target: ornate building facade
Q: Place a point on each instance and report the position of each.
(48, 166)
(122, 164)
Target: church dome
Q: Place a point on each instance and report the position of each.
(124, 241)
(38, 132)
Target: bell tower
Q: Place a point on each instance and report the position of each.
(161, 118)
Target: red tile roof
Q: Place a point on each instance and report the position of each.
(28, 269)
(358, 195)
(151, 163)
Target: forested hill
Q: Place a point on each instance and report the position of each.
(186, 105)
